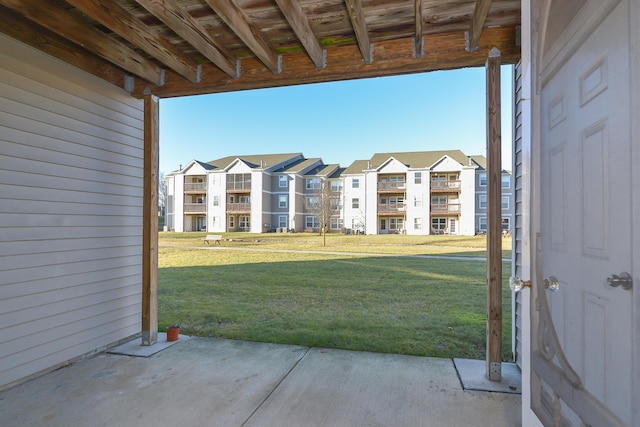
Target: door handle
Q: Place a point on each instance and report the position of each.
(551, 283)
(623, 279)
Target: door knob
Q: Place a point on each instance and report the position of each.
(623, 279)
(551, 283)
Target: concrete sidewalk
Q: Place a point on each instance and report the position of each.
(216, 382)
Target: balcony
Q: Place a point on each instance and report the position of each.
(238, 207)
(392, 187)
(445, 209)
(195, 187)
(190, 208)
(448, 186)
(393, 209)
(239, 187)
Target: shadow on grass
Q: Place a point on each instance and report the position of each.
(424, 307)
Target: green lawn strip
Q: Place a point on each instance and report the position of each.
(401, 305)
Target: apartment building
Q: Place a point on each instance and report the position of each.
(420, 193)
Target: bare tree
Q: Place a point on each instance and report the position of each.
(162, 194)
(323, 204)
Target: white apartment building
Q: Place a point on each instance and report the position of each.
(420, 193)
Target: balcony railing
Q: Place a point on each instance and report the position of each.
(450, 208)
(195, 207)
(450, 185)
(392, 208)
(195, 186)
(238, 207)
(392, 186)
(239, 186)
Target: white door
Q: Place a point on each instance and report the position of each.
(586, 227)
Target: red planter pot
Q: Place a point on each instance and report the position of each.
(172, 333)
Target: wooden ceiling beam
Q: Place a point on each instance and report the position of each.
(245, 29)
(127, 26)
(296, 17)
(20, 28)
(356, 14)
(418, 42)
(183, 24)
(393, 57)
(477, 24)
(71, 27)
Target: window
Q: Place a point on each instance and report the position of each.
(355, 183)
(282, 181)
(505, 224)
(438, 225)
(483, 180)
(282, 200)
(439, 200)
(232, 222)
(396, 224)
(311, 222)
(506, 181)
(417, 202)
(483, 223)
(216, 221)
(216, 200)
(336, 186)
(482, 201)
(313, 202)
(417, 223)
(505, 202)
(313, 183)
(336, 223)
(282, 221)
(355, 203)
(417, 178)
(244, 222)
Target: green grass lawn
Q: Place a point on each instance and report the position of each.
(426, 307)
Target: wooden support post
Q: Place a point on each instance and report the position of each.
(494, 219)
(150, 221)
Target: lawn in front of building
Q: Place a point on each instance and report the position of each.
(369, 302)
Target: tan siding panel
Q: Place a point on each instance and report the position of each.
(71, 157)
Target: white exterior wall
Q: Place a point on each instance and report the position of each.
(349, 193)
(71, 178)
(178, 204)
(216, 186)
(257, 202)
(369, 199)
(294, 203)
(419, 192)
(467, 202)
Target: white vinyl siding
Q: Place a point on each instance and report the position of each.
(71, 164)
(516, 227)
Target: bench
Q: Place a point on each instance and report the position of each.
(215, 238)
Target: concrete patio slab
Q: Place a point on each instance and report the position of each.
(135, 348)
(216, 382)
(473, 375)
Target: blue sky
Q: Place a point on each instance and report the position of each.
(339, 122)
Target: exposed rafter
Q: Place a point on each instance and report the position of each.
(294, 14)
(356, 14)
(20, 28)
(121, 22)
(72, 27)
(418, 40)
(241, 24)
(477, 24)
(395, 57)
(193, 32)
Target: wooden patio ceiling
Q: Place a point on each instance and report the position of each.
(185, 47)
